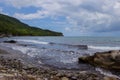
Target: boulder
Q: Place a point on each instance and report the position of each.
(109, 60)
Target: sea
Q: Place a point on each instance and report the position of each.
(63, 52)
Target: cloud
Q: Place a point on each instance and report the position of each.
(37, 15)
(82, 15)
(1, 10)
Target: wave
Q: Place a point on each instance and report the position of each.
(88, 47)
(34, 41)
(104, 47)
(70, 45)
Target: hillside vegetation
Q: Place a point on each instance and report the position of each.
(12, 26)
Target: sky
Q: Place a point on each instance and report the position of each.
(71, 17)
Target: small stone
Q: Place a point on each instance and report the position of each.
(68, 75)
(46, 79)
(55, 78)
(110, 78)
(83, 72)
(74, 78)
(4, 71)
(64, 78)
(58, 74)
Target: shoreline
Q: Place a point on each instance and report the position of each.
(30, 69)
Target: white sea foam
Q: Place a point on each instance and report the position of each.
(104, 47)
(33, 41)
(26, 50)
(73, 60)
(40, 62)
(107, 73)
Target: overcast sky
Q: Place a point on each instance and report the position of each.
(72, 17)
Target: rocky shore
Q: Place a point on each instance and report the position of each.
(109, 60)
(14, 68)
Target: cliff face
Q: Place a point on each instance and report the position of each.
(12, 26)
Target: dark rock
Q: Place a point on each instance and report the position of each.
(69, 45)
(11, 41)
(82, 46)
(51, 43)
(109, 60)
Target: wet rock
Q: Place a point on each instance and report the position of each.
(82, 46)
(79, 46)
(11, 41)
(15, 69)
(109, 60)
(69, 45)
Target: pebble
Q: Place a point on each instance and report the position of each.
(64, 78)
(48, 74)
(110, 78)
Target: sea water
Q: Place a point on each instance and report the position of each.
(61, 52)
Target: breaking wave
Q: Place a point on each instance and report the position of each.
(104, 47)
(34, 41)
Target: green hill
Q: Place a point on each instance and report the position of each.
(12, 26)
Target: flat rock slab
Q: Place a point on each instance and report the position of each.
(109, 60)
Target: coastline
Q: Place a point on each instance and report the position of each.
(28, 69)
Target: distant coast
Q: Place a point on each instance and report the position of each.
(10, 26)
